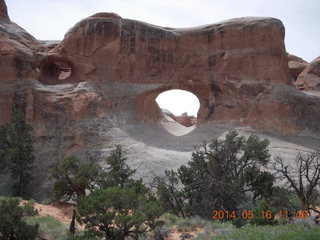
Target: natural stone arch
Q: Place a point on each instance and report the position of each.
(149, 111)
(178, 124)
(55, 70)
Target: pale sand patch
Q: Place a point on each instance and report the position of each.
(60, 211)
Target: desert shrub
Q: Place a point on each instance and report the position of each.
(182, 225)
(171, 198)
(219, 176)
(12, 223)
(278, 232)
(46, 201)
(306, 222)
(161, 232)
(49, 227)
(117, 213)
(264, 214)
(72, 178)
(28, 209)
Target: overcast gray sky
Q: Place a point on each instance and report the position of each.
(50, 19)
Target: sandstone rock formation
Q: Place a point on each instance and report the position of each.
(3, 10)
(309, 79)
(296, 66)
(18, 56)
(184, 119)
(98, 86)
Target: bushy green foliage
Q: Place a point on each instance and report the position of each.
(16, 153)
(264, 213)
(51, 228)
(260, 182)
(12, 224)
(118, 172)
(284, 200)
(173, 222)
(116, 213)
(28, 209)
(218, 177)
(72, 178)
(171, 198)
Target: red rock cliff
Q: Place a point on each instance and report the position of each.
(3, 10)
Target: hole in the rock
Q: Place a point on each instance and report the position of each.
(180, 109)
(56, 69)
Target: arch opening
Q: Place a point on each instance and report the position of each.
(180, 110)
(56, 70)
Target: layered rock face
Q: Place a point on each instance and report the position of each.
(98, 86)
(309, 78)
(234, 67)
(18, 56)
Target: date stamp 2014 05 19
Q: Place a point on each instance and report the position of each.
(220, 215)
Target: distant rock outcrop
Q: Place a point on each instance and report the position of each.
(296, 65)
(183, 119)
(309, 78)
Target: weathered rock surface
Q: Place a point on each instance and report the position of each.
(296, 66)
(186, 121)
(3, 10)
(309, 79)
(98, 86)
(17, 61)
(183, 119)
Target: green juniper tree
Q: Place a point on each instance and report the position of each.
(118, 172)
(219, 176)
(170, 196)
(12, 225)
(120, 207)
(117, 213)
(16, 152)
(72, 179)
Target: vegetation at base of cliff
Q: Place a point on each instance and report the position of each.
(12, 223)
(220, 176)
(116, 213)
(280, 232)
(224, 179)
(49, 228)
(16, 153)
(301, 229)
(116, 207)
